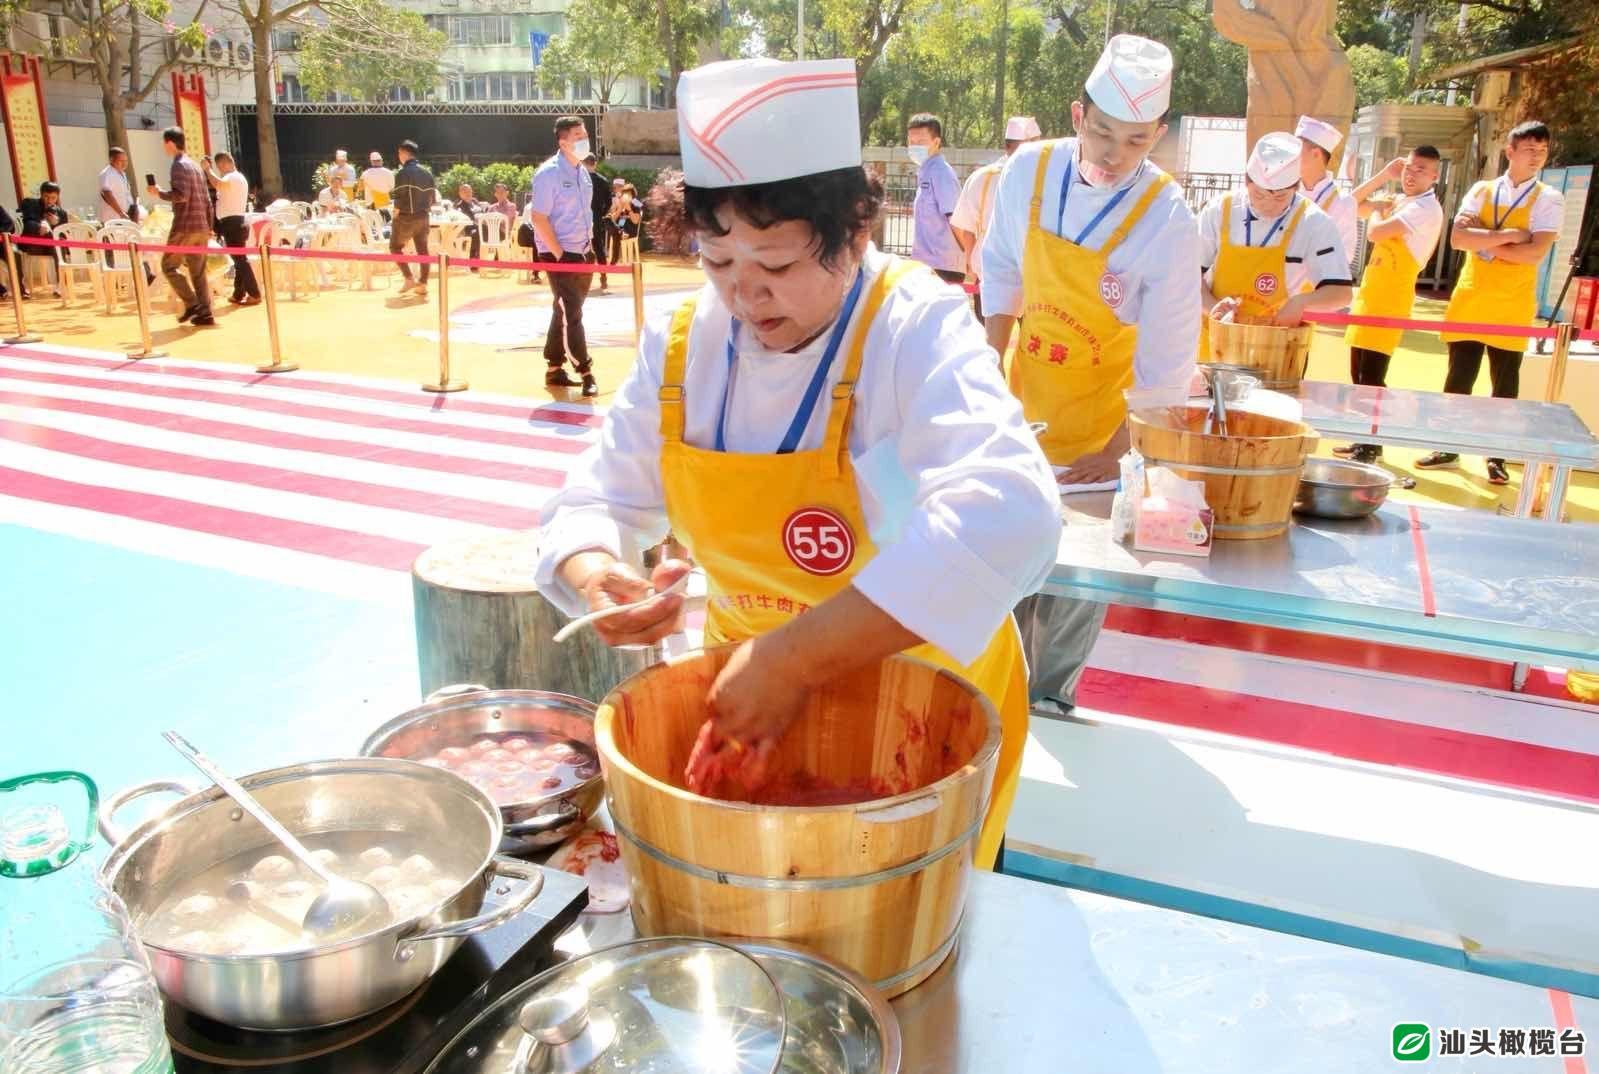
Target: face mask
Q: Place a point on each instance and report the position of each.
(580, 148)
(1096, 176)
(918, 154)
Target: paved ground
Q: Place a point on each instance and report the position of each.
(348, 328)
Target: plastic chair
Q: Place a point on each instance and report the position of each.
(119, 266)
(494, 237)
(72, 262)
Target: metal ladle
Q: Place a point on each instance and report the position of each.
(344, 907)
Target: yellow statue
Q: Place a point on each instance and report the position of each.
(1297, 65)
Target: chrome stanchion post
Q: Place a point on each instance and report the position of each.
(141, 301)
(22, 336)
(445, 384)
(278, 365)
(638, 299)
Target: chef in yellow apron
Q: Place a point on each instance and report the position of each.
(1269, 255)
(1506, 226)
(1403, 234)
(1318, 141)
(1094, 252)
(823, 427)
(975, 209)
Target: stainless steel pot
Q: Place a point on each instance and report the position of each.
(456, 714)
(324, 985)
(1331, 488)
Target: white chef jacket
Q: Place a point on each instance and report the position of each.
(1156, 262)
(1423, 220)
(1548, 212)
(958, 496)
(1315, 256)
(974, 211)
(1343, 210)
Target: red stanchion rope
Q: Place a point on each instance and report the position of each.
(313, 253)
(1416, 324)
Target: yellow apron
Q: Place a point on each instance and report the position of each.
(1255, 275)
(778, 534)
(974, 264)
(1074, 357)
(1496, 292)
(1388, 289)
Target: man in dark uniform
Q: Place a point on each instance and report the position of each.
(600, 205)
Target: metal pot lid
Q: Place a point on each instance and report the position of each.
(662, 1006)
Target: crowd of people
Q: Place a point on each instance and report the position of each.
(1089, 245)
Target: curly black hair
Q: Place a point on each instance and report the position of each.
(838, 205)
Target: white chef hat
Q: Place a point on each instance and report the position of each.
(342, 154)
(1274, 163)
(760, 121)
(1323, 134)
(1021, 128)
(1132, 80)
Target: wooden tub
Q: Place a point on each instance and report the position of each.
(1251, 475)
(1280, 353)
(878, 885)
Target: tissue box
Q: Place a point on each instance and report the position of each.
(1166, 525)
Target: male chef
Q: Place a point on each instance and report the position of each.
(1318, 142)
(974, 212)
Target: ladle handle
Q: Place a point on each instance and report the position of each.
(246, 802)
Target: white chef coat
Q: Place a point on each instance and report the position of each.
(377, 180)
(1548, 212)
(957, 494)
(1343, 210)
(1156, 262)
(1423, 220)
(974, 211)
(1315, 256)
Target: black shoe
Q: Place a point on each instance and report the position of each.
(590, 389)
(1438, 460)
(1369, 454)
(187, 315)
(1497, 474)
(559, 378)
(207, 321)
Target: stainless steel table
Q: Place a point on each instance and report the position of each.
(1051, 980)
(1538, 433)
(1465, 582)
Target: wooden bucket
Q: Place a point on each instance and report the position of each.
(1251, 475)
(1281, 353)
(878, 886)
(480, 619)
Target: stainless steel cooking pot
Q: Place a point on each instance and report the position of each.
(319, 986)
(458, 714)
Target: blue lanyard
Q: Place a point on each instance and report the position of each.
(1512, 208)
(1249, 215)
(1065, 192)
(1319, 191)
(807, 406)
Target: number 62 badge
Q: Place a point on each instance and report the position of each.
(818, 541)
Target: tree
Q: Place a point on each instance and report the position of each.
(1379, 76)
(861, 30)
(367, 49)
(601, 45)
(119, 36)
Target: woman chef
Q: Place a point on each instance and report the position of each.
(823, 427)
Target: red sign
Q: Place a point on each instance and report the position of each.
(27, 125)
(819, 541)
(1266, 284)
(1110, 289)
(188, 101)
(1585, 311)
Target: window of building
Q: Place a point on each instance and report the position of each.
(583, 89)
(290, 90)
(475, 29)
(285, 41)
